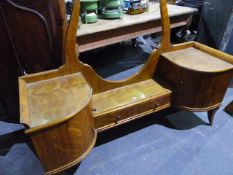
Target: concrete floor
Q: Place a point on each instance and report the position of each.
(180, 143)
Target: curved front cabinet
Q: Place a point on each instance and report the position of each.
(64, 145)
(194, 90)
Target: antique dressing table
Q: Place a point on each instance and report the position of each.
(64, 108)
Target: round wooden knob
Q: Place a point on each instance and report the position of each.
(156, 105)
(118, 117)
(181, 82)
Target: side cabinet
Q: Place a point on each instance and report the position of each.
(64, 145)
(193, 90)
(58, 113)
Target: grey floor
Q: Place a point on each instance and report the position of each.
(166, 143)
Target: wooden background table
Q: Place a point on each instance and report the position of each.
(106, 32)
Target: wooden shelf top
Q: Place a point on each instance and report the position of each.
(198, 60)
(56, 98)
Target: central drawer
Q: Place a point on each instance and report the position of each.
(124, 114)
(154, 104)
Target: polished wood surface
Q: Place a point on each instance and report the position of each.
(63, 141)
(112, 107)
(192, 58)
(67, 95)
(120, 97)
(56, 107)
(203, 80)
(64, 145)
(130, 112)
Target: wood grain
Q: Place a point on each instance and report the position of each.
(121, 97)
(121, 115)
(64, 145)
(204, 90)
(192, 58)
(110, 108)
(196, 72)
(56, 106)
(66, 94)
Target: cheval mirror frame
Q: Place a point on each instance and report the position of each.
(64, 108)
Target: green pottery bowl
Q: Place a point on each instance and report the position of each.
(89, 5)
(111, 3)
(89, 18)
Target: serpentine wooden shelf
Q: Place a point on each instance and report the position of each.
(63, 108)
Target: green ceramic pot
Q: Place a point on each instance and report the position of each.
(111, 3)
(112, 14)
(89, 5)
(89, 18)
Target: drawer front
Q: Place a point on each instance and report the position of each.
(154, 104)
(128, 112)
(105, 119)
(116, 116)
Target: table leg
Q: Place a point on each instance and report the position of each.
(134, 42)
(211, 115)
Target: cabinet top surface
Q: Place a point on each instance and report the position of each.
(198, 60)
(56, 98)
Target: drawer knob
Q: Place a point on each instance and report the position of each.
(156, 106)
(180, 83)
(118, 117)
